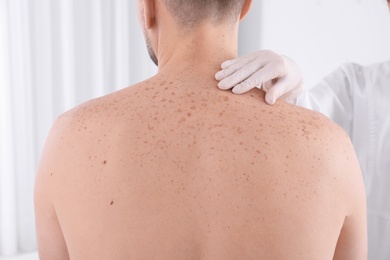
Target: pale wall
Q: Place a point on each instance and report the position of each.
(320, 34)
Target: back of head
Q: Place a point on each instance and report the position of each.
(190, 13)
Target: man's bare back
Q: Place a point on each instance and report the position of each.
(170, 169)
(174, 168)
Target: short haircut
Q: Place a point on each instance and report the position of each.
(190, 13)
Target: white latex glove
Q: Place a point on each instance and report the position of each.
(278, 75)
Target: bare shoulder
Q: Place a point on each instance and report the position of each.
(98, 115)
(327, 145)
(82, 128)
(314, 128)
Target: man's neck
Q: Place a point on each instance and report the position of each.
(201, 51)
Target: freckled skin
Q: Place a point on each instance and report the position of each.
(209, 176)
(174, 168)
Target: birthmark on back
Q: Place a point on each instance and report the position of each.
(111, 203)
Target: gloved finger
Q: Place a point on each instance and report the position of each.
(228, 63)
(279, 90)
(292, 96)
(268, 73)
(261, 59)
(268, 85)
(239, 76)
(244, 72)
(247, 85)
(244, 87)
(249, 57)
(273, 93)
(230, 70)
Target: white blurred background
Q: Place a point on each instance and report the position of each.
(55, 54)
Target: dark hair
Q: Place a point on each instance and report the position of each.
(190, 13)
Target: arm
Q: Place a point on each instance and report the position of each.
(51, 242)
(352, 241)
(278, 75)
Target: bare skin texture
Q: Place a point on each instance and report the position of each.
(174, 168)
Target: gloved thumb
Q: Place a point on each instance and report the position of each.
(273, 93)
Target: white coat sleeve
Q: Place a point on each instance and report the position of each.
(333, 97)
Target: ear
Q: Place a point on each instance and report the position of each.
(246, 8)
(150, 13)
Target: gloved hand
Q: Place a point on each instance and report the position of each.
(278, 75)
